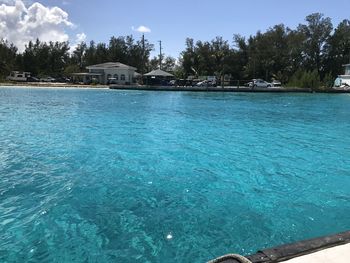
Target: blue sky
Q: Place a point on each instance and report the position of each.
(173, 21)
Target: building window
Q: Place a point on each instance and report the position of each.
(109, 76)
(122, 77)
(115, 76)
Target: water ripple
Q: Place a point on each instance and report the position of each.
(104, 176)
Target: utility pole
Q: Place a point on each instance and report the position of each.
(143, 58)
(160, 54)
(349, 49)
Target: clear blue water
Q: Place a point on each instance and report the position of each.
(117, 176)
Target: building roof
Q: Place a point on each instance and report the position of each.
(159, 73)
(86, 74)
(110, 65)
(136, 74)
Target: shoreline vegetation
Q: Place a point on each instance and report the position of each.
(310, 56)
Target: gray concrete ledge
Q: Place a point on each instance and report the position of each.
(225, 89)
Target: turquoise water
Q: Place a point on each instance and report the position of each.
(117, 176)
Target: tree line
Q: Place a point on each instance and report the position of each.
(55, 59)
(311, 54)
(314, 52)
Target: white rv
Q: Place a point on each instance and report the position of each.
(18, 76)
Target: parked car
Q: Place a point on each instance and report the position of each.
(276, 83)
(47, 79)
(212, 83)
(206, 83)
(63, 80)
(249, 84)
(33, 79)
(202, 83)
(172, 82)
(259, 83)
(112, 81)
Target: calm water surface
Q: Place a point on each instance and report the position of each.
(129, 176)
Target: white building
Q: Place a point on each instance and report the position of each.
(109, 73)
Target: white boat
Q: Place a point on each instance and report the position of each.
(330, 249)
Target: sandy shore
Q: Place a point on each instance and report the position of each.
(51, 85)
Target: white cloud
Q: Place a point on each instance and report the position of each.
(19, 24)
(141, 29)
(81, 37)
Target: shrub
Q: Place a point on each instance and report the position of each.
(328, 81)
(305, 79)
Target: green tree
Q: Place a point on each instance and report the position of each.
(317, 31)
(117, 49)
(295, 40)
(58, 58)
(338, 49)
(240, 54)
(46, 59)
(153, 64)
(101, 55)
(78, 56)
(168, 63)
(8, 62)
(189, 58)
(90, 54)
(205, 58)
